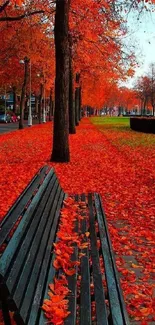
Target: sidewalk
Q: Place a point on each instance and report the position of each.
(9, 127)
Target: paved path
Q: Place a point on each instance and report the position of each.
(9, 127)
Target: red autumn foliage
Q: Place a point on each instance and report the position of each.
(56, 308)
(123, 174)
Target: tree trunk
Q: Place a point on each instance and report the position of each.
(14, 99)
(77, 106)
(141, 107)
(60, 151)
(72, 129)
(144, 107)
(152, 104)
(40, 103)
(23, 93)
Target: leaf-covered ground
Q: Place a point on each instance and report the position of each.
(117, 163)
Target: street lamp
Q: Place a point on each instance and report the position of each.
(5, 100)
(30, 108)
(44, 107)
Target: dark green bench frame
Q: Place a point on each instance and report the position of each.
(26, 264)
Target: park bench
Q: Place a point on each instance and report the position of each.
(27, 234)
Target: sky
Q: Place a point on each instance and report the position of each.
(141, 34)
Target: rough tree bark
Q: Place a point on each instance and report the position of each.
(23, 93)
(72, 129)
(60, 151)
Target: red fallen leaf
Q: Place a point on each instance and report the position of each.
(81, 255)
(46, 308)
(84, 245)
(56, 264)
(69, 272)
(50, 293)
(135, 266)
(146, 311)
(56, 298)
(62, 313)
(58, 252)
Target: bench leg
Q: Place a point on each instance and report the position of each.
(6, 315)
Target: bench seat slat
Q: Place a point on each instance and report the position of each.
(50, 279)
(101, 312)
(118, 312)
(12, 247)
(17, 209)
(85, 295)
(85, 299)
(104, 227)
(72, 285)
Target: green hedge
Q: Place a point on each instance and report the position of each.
(143, 124)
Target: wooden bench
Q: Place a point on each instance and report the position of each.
(26, 264)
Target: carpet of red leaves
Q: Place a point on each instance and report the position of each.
(125, 177)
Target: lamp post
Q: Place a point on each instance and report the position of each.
(44, 103)
(44, 107)
(30, 108)
(5, 100)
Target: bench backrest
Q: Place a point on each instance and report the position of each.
(27, 257)
(19, 207)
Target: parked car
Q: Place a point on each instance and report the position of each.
(5, 118)
(14, 118)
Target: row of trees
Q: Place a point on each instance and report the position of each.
(145, 91)
(74, 49)
(26, 43)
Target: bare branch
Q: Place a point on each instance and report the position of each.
(16, 18)
(2, 8)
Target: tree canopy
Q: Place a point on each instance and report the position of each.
(96, 52)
